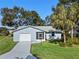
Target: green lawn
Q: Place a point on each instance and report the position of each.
(48, 50)
(6, 44)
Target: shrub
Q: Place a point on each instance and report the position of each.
(4, 32)
(55, 41)
(76, 40)
(69, 42)
(61, 44)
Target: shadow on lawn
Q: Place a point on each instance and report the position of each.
(37, 57)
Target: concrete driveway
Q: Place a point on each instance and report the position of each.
(20, 51)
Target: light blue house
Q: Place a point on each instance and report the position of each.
(36, 33)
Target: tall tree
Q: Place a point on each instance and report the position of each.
(19, 16)
(60, 20)
(72, 15)
(65, 16)
(8, 16)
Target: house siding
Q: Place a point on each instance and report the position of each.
(57, 36)
(53, 36)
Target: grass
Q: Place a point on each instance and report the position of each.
(48, 50)
(6, 44)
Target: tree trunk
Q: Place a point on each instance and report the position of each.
(64, 38)
(72, 34)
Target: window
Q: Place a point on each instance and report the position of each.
(40, 35)
(53, 33)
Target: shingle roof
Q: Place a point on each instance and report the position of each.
(43, 28)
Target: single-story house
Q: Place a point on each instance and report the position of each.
(36, 33)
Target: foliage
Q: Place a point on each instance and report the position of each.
(19, 16)
(4, 32)
(69, 42)
(76, 41)
(73, 13)
(65, 16)
(55, 41)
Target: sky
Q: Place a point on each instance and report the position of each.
(43, 7)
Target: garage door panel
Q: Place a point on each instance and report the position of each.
(25, 37)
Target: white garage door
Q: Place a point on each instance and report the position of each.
(25, 37)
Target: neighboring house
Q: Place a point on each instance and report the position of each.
(10, 29)
(36, 33)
